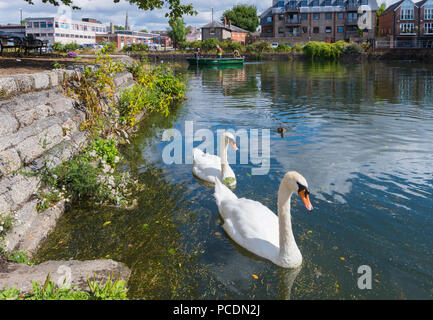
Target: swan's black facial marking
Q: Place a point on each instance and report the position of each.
(301, 188)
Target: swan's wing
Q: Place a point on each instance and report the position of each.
(252, 225)
(222, 193)
(206, 166)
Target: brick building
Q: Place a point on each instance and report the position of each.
(407, 22)
(319, 20)
(224, 31)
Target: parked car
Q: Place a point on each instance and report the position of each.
(274, 45)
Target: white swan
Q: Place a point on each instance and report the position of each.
(208, 166)
(256, 228)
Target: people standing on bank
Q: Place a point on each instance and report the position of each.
(197, 54)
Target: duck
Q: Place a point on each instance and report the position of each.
(281, 130)
(256, 228)
(207, 166)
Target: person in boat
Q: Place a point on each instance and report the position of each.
(236, 54)
(197, 54)
(219, 52)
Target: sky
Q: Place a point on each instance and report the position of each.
(107, 11)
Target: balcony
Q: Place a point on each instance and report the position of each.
(351, 21)
(352, 6)
(293, 21)
(292, 8)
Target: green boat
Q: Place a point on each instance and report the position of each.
(214, 61)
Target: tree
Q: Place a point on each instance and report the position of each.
(116, 27)
(175, 8)
(243, 16)
(378, 14)
(143, 30)
(178, 31)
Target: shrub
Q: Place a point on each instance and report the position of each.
(157, 89)
(210, 44)
(70, 47)
(57, 46)
(231, 46)
(136, 47)
(352, 49)
(283, 48)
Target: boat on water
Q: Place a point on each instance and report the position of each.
(214, 61)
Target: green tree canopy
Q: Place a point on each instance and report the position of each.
(178, 31)
(116, 27)
(176, 9)
(243, 16)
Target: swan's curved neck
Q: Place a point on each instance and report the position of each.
(289, 253)
(223, 152)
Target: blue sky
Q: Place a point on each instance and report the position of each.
(106, 11)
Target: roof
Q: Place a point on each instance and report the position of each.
(397, 4)
(421, 3)
(216, 24)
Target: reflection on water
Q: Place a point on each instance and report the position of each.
(360, 133)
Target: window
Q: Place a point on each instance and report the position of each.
(43, 34)
(352, 16)
(58, 35)
(50, 24)
(269, 19)
(340, 15)
(57, 25)
(280, 30)
(212, 31)
(428, 28)
(328, 29)
(304, 16)
(328, 15)
(304, 3)
(316, 16)
(407, 28)
(428, 13)
(316, 30)
(43, 24)
(328, 3)
(406, 14)
(281, 4)
(281, 17)
(304, 29)
(340, 29)
(35, 24)
(29, 25)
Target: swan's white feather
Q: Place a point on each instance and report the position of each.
(207, 166)
(249, 223)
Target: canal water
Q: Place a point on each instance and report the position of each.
(361, 134)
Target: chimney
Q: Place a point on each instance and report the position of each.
(111, 28)
(225, 21)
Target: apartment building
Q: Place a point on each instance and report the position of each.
(319, 20)
(65, 31)
(407, 21)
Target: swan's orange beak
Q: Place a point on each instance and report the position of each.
(234, 145)
(306, 199)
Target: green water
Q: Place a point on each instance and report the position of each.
(362, 136)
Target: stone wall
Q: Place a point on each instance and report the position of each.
(40, 127)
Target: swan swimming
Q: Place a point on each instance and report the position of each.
(256, 228)
(208, 166)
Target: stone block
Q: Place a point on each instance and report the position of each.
(22, 188)
(8, 124)
(42, 80)
(33, 147)
(9, 162)
(62, 105)
(26, 117)
(24, 83)
(8, 84)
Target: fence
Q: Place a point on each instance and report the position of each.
(413, 44)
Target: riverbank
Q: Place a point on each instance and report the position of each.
(60, 145)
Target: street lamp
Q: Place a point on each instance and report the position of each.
(21, 13)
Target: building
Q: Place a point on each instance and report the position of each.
(300, 21)
(224, 31)
(162, 38)
(194, 34)
(14, 28)
(124, 38)
(65, 31)
(408, 23)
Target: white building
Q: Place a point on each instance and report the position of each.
(64, 30)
